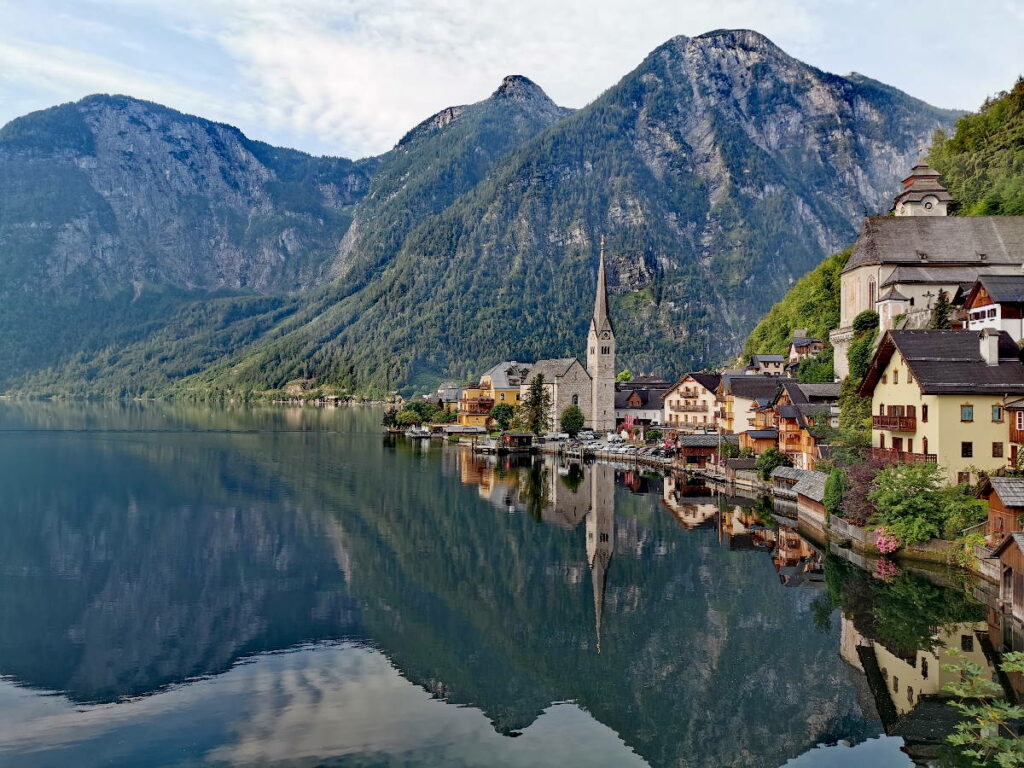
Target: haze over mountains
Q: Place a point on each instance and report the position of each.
(147, 251)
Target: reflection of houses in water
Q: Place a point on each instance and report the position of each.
(908, 687)
(741, 527)
(693, 505)
(796, 561)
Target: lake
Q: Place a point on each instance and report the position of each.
(191, 586)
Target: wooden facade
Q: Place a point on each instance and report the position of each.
(1011, 569)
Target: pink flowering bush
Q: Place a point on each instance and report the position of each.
(886, 542)
(886, 570)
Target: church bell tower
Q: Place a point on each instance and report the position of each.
(601, 357)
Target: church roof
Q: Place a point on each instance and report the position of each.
(553, 368)
(923, 241)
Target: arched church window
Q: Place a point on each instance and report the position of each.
(575, 399)
(871, 293)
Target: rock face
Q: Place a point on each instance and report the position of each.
(720, 170)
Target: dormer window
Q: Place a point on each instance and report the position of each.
(922, 255)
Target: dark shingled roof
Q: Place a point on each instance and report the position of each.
(820, 391)
(947, 240)
(811, 484)
(698, 441)
(753, 387)
(1010, 490)
(804, 341)
(762, 434)
(709, 381)
(741, 463)
(787, 473)
(767, 358)
(950, 362)
(1004, 289)
(649, 398)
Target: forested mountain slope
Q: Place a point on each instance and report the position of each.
(720, 170)
(152, 252)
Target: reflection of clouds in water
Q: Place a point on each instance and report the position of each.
(318, 702)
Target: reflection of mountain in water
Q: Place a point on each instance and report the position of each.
(138, 560)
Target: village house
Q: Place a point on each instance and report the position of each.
(741, 396)
(900, 263)
(448, 395)
(1005, 497)
(810, 494)
(638, 406)
(757, 441)
(940, 396)
(500, 384)
(699, 451)
(996, 301)
(802, 412)
(766, 365)
(803, 346)
(1010, 554)
(691, 402)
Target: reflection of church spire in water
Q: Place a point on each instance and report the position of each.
(600, 536)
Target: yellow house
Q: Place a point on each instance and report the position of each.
(498, 385)
(939, 396)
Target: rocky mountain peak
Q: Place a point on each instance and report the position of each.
(519, 88)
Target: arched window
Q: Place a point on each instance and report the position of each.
(871, 293)
(575, 399)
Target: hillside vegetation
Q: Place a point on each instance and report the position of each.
(982, 164)
(813, 303)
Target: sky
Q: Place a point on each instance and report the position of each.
(350, 77)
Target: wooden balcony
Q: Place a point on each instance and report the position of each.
(902, 457)
(895, 423)
(681, 408)
(476, 406)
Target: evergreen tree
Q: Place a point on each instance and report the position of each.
(532, 414)
(941, 312)
(503, 413)
(834, 488)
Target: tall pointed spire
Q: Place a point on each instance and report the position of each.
(601, 320)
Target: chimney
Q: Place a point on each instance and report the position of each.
(990, 346)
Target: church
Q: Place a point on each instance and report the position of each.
(592, 389)
(901, 262)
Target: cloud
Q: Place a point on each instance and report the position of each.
(351, 76)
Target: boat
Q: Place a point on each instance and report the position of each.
(417, 433)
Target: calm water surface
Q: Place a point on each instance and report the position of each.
(183, 586)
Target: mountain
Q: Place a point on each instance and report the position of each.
(720, 170)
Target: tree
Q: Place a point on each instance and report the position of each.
(769, 460)
(532, 414)
(988, 732)
(624, 375)
(572, 420)
(503, 413)
(941, 312)
(834, 492)
(408, 417)
(865, 321)
(908, 501)
(389, 417)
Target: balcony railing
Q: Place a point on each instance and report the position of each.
(476, 406)
(902, 457)
(681, 408)
(895, 423)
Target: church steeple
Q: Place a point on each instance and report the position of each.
(601, 356)
(601, 320)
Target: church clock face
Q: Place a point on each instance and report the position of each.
(606, 335)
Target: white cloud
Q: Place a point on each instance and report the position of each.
(350, 76)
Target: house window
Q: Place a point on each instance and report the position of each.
(896, 376)
(966, 413)
(881, 409)
(885, 378)
(967, 643)
(910, 445)
(1019, 419)
(881, 440)
(895, 684)
(997, 450)
(963, 477)
(575, 399)
(910, 373)
(502, 395)
(966, 450)
(924, 668)
(997, 413)
(924, 413)
(924, 445)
